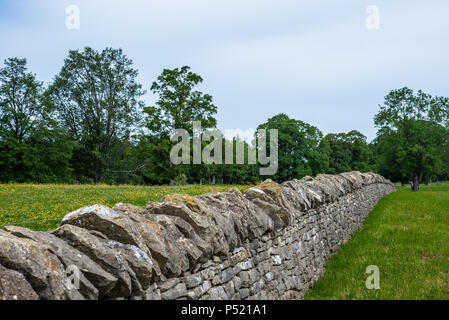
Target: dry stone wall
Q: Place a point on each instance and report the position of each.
(270, 242)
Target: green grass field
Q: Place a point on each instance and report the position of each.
(29, 202)
(406, 236)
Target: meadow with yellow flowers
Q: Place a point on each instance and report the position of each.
(42, 206)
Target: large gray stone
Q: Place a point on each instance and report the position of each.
(109, 256)
(41, 269)
(13, 286)
(94, 279)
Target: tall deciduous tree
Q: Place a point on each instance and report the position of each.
(98, 98)
(32, 146)
(179, 104)
(297, 146)
(411, 135)
(348, 151)
(20, 100)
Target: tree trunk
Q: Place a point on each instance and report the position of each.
(415, 184)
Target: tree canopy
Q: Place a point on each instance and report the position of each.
(348, 151)
(179, 103)
(90, 124)
(97, 98)
(32, 145)
(412, 136)
(297, 146)
(20, 100)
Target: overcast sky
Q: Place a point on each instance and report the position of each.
(313, 60)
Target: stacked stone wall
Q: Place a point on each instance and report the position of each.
(271, 242)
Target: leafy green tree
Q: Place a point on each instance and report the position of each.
(445, 156)
(297, 146)
(236, 173)
(349, 151)
(411, 135)
(179, 104)
(20, 100)
(33, 148)
(340, 155)
(152, 155)
(320, 157)
(413, 153)
(346, 152)
(98, 99)
(361, 153)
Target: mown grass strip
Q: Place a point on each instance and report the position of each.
(407, 237)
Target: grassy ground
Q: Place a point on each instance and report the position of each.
(407, 237)
(28, 202)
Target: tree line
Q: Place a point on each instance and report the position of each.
(90, 125)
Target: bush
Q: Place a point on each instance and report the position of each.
(180, 179)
